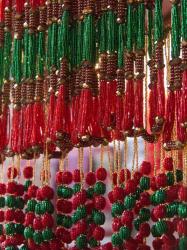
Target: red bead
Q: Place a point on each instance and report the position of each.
(9, 215)
(32, 245)
(81, 227)
(159, 212)
(90, 230)
(137, 207)
(90, 178)
(2, 216)
(172, 193)
(12, 172)
(20, 190)
(2, 188)
(161, 180)
(99, 202)
(79, 199)
(145, 168)
(59, 178)
(37, 223)
(64, 206)
(116, 224)
(168, 164)
(152, 216)
(182, 227)
(66, 237)
(32, 191)
(169, 240)
(19, 216)
(99, 233)
(2, 238)
(107, 246)
(28, 172)
(110, 197)
(153, 184)
(118, 193)
(101, 174)
(157, 244)
(44, 246)
(145, 229)
(76, 175)
(47, 220)
(130, 187)
(131, 244)
(139, 237)
(47, 192)
(74, 233)
(171, 227)
(182, 193)
(89, 207)
(145, 199)
(11, 187)
(127, 217)
(55, 244)
(39, 195)
(137, 176)
(122, 175)
(67, 177)
(29, 217)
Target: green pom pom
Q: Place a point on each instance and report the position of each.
(81, 241)
(172, 210)
(19, 228)
(2, 202)
(10, 248)
(137, 193)
(10, 201)
(76, 188)
(183, 243)
(90, 192)
(145, 183)
(93, 242)
(27, 184)
(137, 223)
(67, 221)
(39, 209)
(129, 202)
(182, 210)
(161, 227)
(9, 228)
(64, 192)
(24, 248)
(117, 208)
(160, 196)
(81, 212)
(1, 229)
(144, 214)
(47, 234)
(37, 237)
(31, 204)
(179, 175)
(125, 233)
(116, 240)
(155, 232)
(100, 188)
(170, 178)
(20, 203)
(153, 199)
(28, 233)
(99, 218)
(75, 218)
(59, 219)
(48, 206)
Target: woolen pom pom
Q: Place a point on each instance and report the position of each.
(118, 193)
(182, 193)
(76, 175)
(12, 172)
(130, 187)
(101, 174)
(161, 180)
(99, 202)
(47, 221)
(2, 188)
(90, 178)
(127, 217)
(145, 168)
(28, 172)
(11, 187)
(99, 233)
(47, 192)
(37, 223)
(64, 206)
(116, 224)
(168, 164)
(19, 216)
(32, 191)
(124, 173)
(9, 215)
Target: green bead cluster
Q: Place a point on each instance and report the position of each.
(129, 202)
(145, 183)
(117, 208)
(64, 192)
(99, 188)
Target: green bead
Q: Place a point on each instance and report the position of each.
(161, 227)
(31, 204)
(137, 223)
(1, 229)
(67, 221)
(81, 241)
(170, 178)
(182, 210)
(145, 183)
(125, 233)
(93, 242)
(81, 212)
(59, 219)
(20, 203)
(179, 175)
(28, 233)
(19, 228)
(155, 232)
(75, 218)
(10, 248)
(47, 234)
(47, 206)
(129, 202)
(183, 243)
(116, 240)
(144, 214)
(171, 210)
(9, 228)
(90, 192)
(137, 193)
(64, 192)
(39, 209)
(117, 208)
(99, 218)
(100, 188)
(2, 202)
(27, 184)
(160, 196)
(10, 201)
(24, 248)
(76, 188)
(153, 199)
(37, 237)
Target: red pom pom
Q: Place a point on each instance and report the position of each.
(127, 217)
(101, 174)
(47, 192)
(66, 237)
(130, 187)
(168, 164)
(157, 244)
(99, 233)
(171, 227)
(123, 173)
(137, 207)
(47, 220)
(116, 224)
(110, 197)
(12, 172)
(169, 240)
(37, 223)
(9, 215)
(107, 246)
(90, 178)
(145, 199)
(172, 193)
(64, 206)
(131, 244)
(32, 245)
(79, 199)
(91, 228)
(59, 178)
(73, 233)
(159, 212)
(20, 190)
(81, 227)
(89, 207)
(153, 184)
(28, 172)
(67, 177)
(137, 176)
(99, 202)
(19, 216)
(139, 238)
(182, 227)
(182, 193)
(76, 175)
(2, 238)
(2, 216)
(39, 195)
(118, 193)
(145, 168)
(44, 246)
(161, 180)
(2, 188)
(11, 187)
(32, 191)
(55, 244)
(145, 229)
(29, 218)
(144, 247)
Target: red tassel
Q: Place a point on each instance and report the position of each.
(74, 122)
(152, 106)
(119, 112)
(2, 10)
(138, 104)
(184, 98)
(15, 132)
(5, 132)
(161, 93)
(19, 6)
(181, 131)
(34, 3)
(50, 119)
(95, 125)
(102, 99)
(28, 125)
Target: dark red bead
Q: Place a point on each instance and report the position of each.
(2, 188)
(123, 174)
(9, 215)
(67, 177)
(159, 211)
(182, 193)
(11, 187)
(99, 233)
(145, 199)
(29, 217)
(127, 217)
(145, 229)
(64, 206)
(19, 216)
(28, 172)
